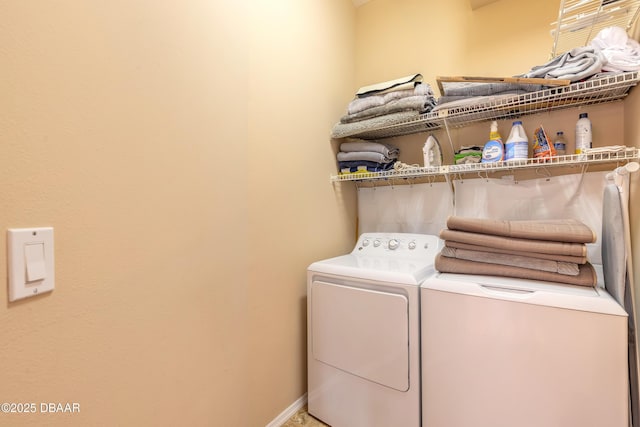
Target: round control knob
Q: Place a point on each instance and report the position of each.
(412, 245)
(376, 243)
(393, 244)
(365, 242)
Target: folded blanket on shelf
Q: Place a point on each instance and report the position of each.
(516, 244)
(559, 267)
(620, 52)
(368, 156)
(563, 230)
(364, 166)
(360, 104)
(552, 257)
(396, 84)
(355, 144)
(469, 89)
(577, 64)
(422, 103)
(341, 130)
(482, 102)
(585, 277)
(468, 154)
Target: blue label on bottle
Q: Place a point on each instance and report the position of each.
(516, 150)
(492, 152)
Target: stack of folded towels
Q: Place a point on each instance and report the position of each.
(547, 250)
(468, 154)
(358, 155)
(385, 103)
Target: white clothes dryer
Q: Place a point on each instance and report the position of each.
(503, 352)
(363, 324)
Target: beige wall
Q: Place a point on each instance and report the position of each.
(447, 38)
(180, 151)
(302, 74)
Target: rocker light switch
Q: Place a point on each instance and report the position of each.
(34, 260)
(31, 266)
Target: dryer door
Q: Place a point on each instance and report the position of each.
(361, 331)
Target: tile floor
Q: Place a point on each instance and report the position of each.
(303, 419)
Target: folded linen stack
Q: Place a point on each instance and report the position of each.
(385, 103)
(547, 250)
(358, 155)
(468, 154)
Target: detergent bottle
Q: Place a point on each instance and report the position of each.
(517, 146)
(493, 150)
(583, 133)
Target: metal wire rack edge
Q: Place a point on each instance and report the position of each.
(626, 155)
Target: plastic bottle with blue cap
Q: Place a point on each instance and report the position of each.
(517, 146)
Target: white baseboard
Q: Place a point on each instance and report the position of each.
(288, 413)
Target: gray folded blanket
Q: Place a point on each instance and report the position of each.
(341, 130)
(368, 156)
(563, 230)
(577, 64)
(585, 277)
(468, 89)
(355, 144)
(570, 269)
(360, 104)
(421, 103)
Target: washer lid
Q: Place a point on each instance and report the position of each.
(381, 269)
(524, 291)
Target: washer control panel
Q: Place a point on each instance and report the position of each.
(398, 244)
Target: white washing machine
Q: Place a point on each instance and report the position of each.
(363, 313)
(502, 352)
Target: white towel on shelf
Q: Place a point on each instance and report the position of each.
(621, 53)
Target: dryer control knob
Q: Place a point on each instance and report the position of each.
(365, 242)
(412, 245)
(376, 243)
(393, 244)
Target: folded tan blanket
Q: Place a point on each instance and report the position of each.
(552, 257)
(586, 276)
(559, 230)
(516, 244)
(567, 268)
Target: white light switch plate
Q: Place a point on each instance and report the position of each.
(31, 262)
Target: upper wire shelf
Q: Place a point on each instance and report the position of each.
(594, 91)
(579, 21)
(625, 155)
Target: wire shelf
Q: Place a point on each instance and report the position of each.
(595, 91)
(579, 21)
(625, 155)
